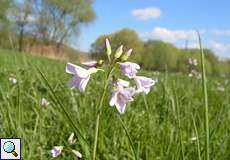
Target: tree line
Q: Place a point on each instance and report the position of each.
(158, 55)
(25, 23)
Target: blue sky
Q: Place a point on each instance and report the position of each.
(170, 20)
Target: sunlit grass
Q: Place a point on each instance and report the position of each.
(160, 124)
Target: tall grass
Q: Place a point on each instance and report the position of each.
(160, 125)
(205, 97)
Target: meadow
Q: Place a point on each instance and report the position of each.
(166, 124)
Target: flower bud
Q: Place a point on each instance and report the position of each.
(100, 62)
(126, 55)
(119, 52)
(108, 47)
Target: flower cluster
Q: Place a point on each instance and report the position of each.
(44, 102)
(122, 93)
(192, 68)
(13, 79)
(193, 61)
(57, 150)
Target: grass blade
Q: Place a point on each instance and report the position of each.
(204, 81)
(129, 137)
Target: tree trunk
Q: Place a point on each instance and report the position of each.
(21, 37)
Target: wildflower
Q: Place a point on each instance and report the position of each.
(44, 102)
(121, 95)
(13, 79)
(81, 76)
(77, 154)
(56, 151)
(198, 76)
(71, 139)
(126, 55)
(144, 83)
(193, 61)
(193, 138)
(90, 64)
(220, 88)
(129, 69)
(119, 52)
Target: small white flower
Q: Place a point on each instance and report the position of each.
(77, 154)
(198, 76)
(71, 139)
(193, 61)
(56, 151)
(193, 138)
(13, 80)
(220, 88)
(44, 102)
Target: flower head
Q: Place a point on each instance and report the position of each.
(121, 95)
(77, 154)
(129, 69)
(80, 78)
(13, 79)
(56, 151)
(71, 139)
(193, 61)
(144, 83)
(44, 102)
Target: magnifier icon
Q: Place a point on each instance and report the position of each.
(9, 147)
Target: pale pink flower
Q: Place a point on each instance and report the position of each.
(121, 95)
(71, 139)
(80, 78)
(56, 151)
(129, 69)
(44, 102)
(144, 83)
(77, 154)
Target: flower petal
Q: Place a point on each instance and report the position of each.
(76, 70)
(113, 98)
(83, 83)
(123, 83)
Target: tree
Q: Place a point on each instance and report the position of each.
(160, 55)
(4, 24)
(58, 20)
(126, 37)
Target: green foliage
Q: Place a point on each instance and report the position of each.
(159, 55)
(168, 123)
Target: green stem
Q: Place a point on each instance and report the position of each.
(129, 137)
(98, 109)
(204, 81)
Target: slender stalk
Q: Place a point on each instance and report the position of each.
(98, 120)
(98, 108)
(129, 137)
(197, 138)
(204, 81)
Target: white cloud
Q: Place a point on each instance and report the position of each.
(147, 13)
(222, 49)
(218, 32)
(220, 46)
(172, 36)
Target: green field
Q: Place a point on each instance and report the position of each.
(166, 124)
